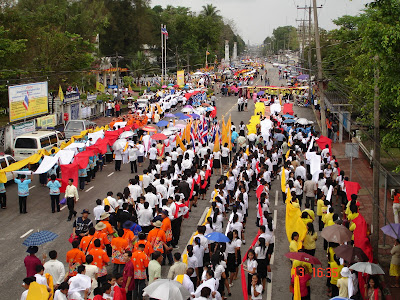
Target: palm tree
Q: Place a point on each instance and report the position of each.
(139, 64)
(210, 10)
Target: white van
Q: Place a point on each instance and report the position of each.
(29, 144)
(5, 161)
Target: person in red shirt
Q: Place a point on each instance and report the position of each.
(117, 109)
(148, 249)
(31, 261)
(128, 282)
(87, 241)
(304, 277)
(119, 291)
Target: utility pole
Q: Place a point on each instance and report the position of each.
(319, 65)
(309, 55)
(376, 163)
(117, 58)
(188, 63)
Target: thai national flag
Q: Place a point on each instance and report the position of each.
(26, 101)
(164, 32)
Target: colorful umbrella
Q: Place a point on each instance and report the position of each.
(194, 116)
(176, 86)
(288, 116)
(187, 110)
(302, 256)
(392, 230)
(164, 87)
(263, 100)
(289, 121)
(39, 238)
(260, 93)
(351, 254)
(217, 237)
(159, 137)
(205, 104)
(169, 115)
(162, 123)
(149, 128)
(170, 84)
(336, 234)
(119, 144)
(184, 117)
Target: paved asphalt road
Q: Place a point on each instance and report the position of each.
(39, 217)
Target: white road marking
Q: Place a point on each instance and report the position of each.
(32, 186)
(65, 206)
(276, 198)
(89, 189)
(25, 234)
(110, 174)
(203, 216)
(275, 217)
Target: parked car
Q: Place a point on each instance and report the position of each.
(28, 144)
(74, 127)
(5, 161)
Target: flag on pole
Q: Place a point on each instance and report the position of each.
(179, 143)
(26, 101)
(164, 32)
(60, 93)
(99, 87)
(216, 143)
(207, 53)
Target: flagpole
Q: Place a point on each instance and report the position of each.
(206, 56)
(165, 54)
(162, 55)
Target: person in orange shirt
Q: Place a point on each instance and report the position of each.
(100, 259)
(109, 230)
(87, 241)
(99, 234)
(157, 238)
(75, 258)
(148, 249)
(128, 234)
(140, 262)
(166, 227)
(119, 246)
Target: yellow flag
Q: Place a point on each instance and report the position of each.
(296, 289)
(159, 108)
(187, 132)
(37, 292)
(179, 278)
(216, 143)
(100, 87)
(179, 143)
(294, 223)
(129, 88)
(283, 180)
(60, 93)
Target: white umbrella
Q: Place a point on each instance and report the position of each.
(275, 108)
(166, 289)
(119, 144)
(168, 132)
(173, 128)
(126, 134)
(187, 110)
(303, 121)
(200, 110)
(367, 267)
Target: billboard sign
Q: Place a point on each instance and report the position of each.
(27, 100)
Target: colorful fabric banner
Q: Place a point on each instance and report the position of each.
(67, 172)
(352, 187)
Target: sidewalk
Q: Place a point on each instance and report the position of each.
(362, 173)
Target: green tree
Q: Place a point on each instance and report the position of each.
(139, 65)
(210, 10)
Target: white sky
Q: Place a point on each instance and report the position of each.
(256, 19)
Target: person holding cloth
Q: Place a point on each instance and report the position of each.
(23, 191)
(395, 263)
(54, 186)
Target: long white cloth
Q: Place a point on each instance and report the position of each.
(47, 163)
(275, 108)
(65, 156)
(75, 146)
(96, 135)
(23, 172)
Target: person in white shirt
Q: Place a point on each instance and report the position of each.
(186, 280)
(145, 216)
(55, 268)
(190, 152)
(162, 190)
(205, 293)
(151, 199)
(146, 179)
(25, 284)
(300, 171)
(118, 159)
(98, 210)
(39, 275)
(133, 154)
(225, 156)
(112, 202)
(153, 155)
(256, 288)
(135, 189)
(62, 292)
(140, 153)
(174, 156)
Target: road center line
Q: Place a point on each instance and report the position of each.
(110, 174)
(203, 216)
(65, 206)
(32, 186)
(276, 197)
(275, 217)
(89, 189)
(25, 234)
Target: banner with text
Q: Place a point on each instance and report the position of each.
(47, 121)
(27, 100)
(180, 76)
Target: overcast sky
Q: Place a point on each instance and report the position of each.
(256, 19)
